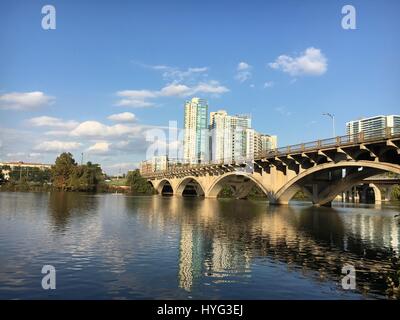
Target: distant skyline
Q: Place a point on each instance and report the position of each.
(110, 70)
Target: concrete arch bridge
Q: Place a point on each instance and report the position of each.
(322, 169)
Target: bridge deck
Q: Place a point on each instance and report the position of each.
(387, 136)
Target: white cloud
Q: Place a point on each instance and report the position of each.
(180, 90)
(268, 84)
(311, 62)
(243, 71)
(177, 75)
(137, 98)
(180, 83)
(24, 100)
(137, 94)
(174, 74)
(212, 87)
(243, 66)
(57, 146)
(171, 90)
(19, 156)
(135, 145)
(122, 117)
(15, 155)
(122, 144)
(35, 154)
(45, 121)
(134, 103)
(57, 133)
(283, 111)
(101, 147)
(97, 129)
(159, 67)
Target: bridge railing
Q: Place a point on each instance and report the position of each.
(340, 141)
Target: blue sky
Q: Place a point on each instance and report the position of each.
(143, 59)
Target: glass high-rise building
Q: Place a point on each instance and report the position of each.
(196, 136)
(242, 135)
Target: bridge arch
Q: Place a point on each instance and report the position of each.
(248, 182)
(377, 193)
(164, 187)
(324, 192)
(198, 187)
(152, 184)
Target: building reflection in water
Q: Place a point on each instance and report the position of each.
(219, 240)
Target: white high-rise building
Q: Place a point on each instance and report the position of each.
(374, 125)
(228, 136)
(196, 136)
(251, 137)
(221, 136)
(160, 163)
(233, 139)
(241, 121)
(268, 142)
(257, 143)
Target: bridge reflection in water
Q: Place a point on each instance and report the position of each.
(221, 241)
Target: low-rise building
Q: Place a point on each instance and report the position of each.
(157, 163)
(160, 163)
(146, 167)
(7, 167)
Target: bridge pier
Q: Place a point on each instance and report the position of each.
(278, 203)
(385, 191)
(328, 204)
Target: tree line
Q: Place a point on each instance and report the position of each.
(67, 175)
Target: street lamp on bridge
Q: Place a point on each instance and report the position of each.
(332, 116)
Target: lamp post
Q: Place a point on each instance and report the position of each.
(332, 116)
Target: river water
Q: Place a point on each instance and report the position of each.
(106, 246)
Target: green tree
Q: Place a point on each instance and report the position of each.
(226, 192)
(138, 184)
(16, 174)
(63, 170)
(2, 179)
(396, 192)
(67, 175)
(86, 177)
